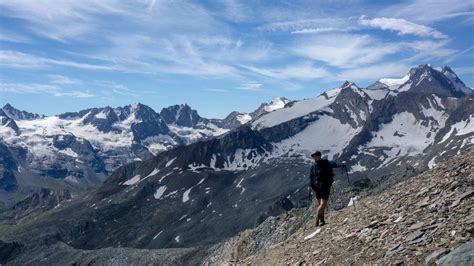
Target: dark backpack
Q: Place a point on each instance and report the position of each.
(326, 172)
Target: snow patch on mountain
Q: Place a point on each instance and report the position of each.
(170, 162)
(159, 192)
(132, 181)
(101, 115)
(404, 135)
(276, 104)
(69, 152)
(244, 118)
(157, 144)
(464, 127)
(186, 195)
(395, 82)
(327, 134)
(153, 173)
(377, 94)
(439, 115)
(46, 127)
(357, 168)
(298, 109)
(199, 132)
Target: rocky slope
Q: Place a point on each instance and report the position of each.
(426, 218)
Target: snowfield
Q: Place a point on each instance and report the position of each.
(298, 109)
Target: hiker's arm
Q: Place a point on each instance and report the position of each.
(335, 164)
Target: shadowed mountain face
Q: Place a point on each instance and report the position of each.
(208, 190)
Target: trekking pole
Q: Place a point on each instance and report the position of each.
(348, 181)
(308, 210)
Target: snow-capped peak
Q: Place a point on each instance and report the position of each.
(16, 114)
(395, 81)
(276, 103)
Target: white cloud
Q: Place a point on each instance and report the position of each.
(374, 72)
(63, 80)
(429, 11)
(61, 20)
(320, 30)
(425, 51)
(464, 70)
(306, 24)
(12, 37)
(251, 86)
(35, 88)
(299, 71)
(402, 26)
(216, 90)
(76, 94)
(15, 59)
(113, 87)
(344, 50)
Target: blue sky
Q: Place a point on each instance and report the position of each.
(218, 56)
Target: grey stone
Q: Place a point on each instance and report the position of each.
(458, 199)
(416, 226)
(414, 235)
(462, 255)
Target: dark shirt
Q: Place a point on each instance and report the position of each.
(323, 172)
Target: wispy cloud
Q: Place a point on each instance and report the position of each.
(426, 51)
(344, 50)
(35, 88)
(429, 11)
(76, 94)
(250, 86)
(320, 30)
(297, 71)
(60, 20)
(15, 59)
(12, 37)
(302, 25)
(402, 27)
(216, 90)
(63, 80)
(374, 72)
(116, 88)
(464, 70)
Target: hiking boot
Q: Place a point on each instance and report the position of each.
(317, 220)
(321, 220)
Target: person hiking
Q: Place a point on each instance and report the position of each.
(321, 178)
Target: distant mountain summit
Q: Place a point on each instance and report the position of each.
(422, 79)
(16, 114)
(181, 115)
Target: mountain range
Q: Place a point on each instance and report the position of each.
(180, 181)
(78, 150)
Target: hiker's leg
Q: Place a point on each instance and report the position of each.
(321, 206)
(324, 203)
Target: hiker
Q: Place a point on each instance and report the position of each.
(321, 178)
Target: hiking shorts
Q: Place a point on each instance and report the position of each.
(322, 190)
